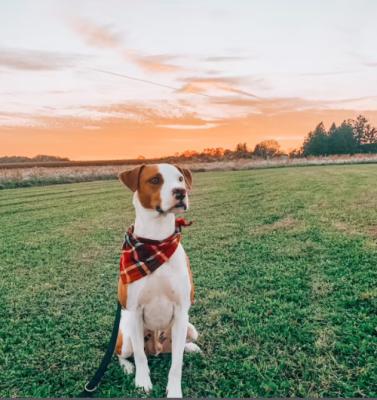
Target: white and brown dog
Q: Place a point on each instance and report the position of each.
(155, 308)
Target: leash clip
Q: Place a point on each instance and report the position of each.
(90, 390)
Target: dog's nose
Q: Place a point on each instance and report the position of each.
(179, 193)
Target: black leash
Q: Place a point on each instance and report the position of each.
(93, 384)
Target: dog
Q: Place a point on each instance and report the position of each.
(156, 301)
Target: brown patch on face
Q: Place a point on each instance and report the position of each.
(118, 346)
(149, 190)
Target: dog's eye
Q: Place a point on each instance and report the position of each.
(181, 179)
(155, 180)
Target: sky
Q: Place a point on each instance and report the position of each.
(120, 79)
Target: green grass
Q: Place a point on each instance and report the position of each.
(285, 265)
(13, 183)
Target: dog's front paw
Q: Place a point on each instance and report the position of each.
(143, 381)
(174, 391)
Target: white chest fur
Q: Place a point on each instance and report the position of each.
(158, 294)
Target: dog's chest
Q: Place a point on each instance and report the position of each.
(159, 293)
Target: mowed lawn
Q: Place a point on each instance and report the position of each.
(285, 266)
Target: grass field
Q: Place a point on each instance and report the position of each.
(285, 265)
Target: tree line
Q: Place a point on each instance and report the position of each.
(264, 149)
(350, 137)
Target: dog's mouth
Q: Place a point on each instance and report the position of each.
(179, 206)
(182, 205)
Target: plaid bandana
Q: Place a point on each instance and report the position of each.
(140, 257)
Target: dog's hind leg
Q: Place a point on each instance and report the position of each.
(123, 351)
(123, 348)
(192, 348)
(126, 365)
(192, 336)
(192, 333)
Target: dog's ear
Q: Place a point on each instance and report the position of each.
(131, 177)
(187, 175)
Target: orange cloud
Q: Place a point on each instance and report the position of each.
(270, 106)
(95, 35)
(156, 135)
(103, 37)
(155, 63)
(226, 84)
(129, 113)
(35, 60)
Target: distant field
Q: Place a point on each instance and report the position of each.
(50, 173)
(285, 265)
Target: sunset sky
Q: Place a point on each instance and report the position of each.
(118, 79)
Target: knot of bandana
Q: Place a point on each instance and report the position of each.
(140, 257)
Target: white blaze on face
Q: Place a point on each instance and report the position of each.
(173, 179)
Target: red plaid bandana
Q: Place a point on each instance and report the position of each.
(140, 257)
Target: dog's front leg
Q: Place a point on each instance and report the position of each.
(179, 333)
(142, 379)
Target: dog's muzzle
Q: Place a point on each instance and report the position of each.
(180, 205)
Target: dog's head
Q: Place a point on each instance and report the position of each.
(160, 187)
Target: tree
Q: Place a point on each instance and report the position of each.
(295, 153)
(332, 129)
(359, 126)
(267, 149)
(316, 143)
(242, 150)
(216, 152)
(189, 153)
(342, 140)
(370, 136)
(363, 131)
